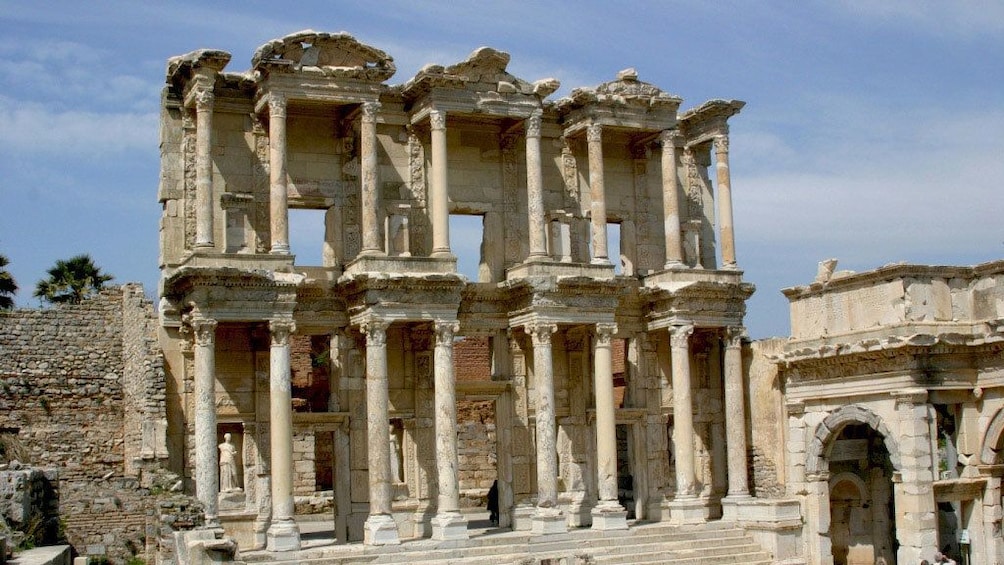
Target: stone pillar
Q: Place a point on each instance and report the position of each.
(380, 528)
(735, 418)
(535, 188)
(207, 465)
(726, 234)
(916, 512)
(203, 169)
(449, 523)
(283, 533)
(547, 517)
(671, 200)
(608, 513)
(368, 174)
(439, 193)
(597, 193)
(686, 507)
(278, 195)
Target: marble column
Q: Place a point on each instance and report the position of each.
(278, 194)
(535, 188)
(608, 513)
(207, 466)
(671, 199)
(203, 168)
(726, 234)
(439, 189)
(597, 194)
(686, 507)
(368, 173)
(449, 523)
(283, 533)
(547, 517)
(380, 528)
(735, 414)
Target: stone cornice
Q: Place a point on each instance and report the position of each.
(330, 55)
(892, 272)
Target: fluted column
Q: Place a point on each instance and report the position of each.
(671, 200)
(448, 523)
(207, 465)
(683, 411)
(597, 193)
(379, 528)
(439, 197)
(608, 513)
(535, 187)
(283, 533)
(547, 517)
(725, 202)
(203, 168)
(368, 174)
(735, 414)
(278, 194)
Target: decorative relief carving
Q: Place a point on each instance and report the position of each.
(260, 186)
(510, 198)
(533, 124)
(694, 186)
(416, 168)
(280, 331)
(569, 170)
(188, 150)
(679, 336)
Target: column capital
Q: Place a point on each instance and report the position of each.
(277, 104)
(437, 119)
(370, 111)
(533, 123)
(670, 138)
(204, 330)
(540, 332)
(734, 336)
(375, 330)
(604, 334)
(722, 144)
(680, 335)
(204, 99)
(281, 330)
(594, 133)
(445, 330)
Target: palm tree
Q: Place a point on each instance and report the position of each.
(8, 287)
(71, 281)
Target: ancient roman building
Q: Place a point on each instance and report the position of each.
(315, 125)
(893, 387)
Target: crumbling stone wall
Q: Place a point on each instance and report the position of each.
(29, 499)
(766, 418)
(476, 450)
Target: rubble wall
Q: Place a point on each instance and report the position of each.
(766, 418)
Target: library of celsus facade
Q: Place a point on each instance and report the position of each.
(315, 125)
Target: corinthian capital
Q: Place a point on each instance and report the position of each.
(437, 119)
(679, 336)
(280, 331)
(670, 139)
(370, 110)
(540, 332)
(375, 331)
(204, 330)
(277, 104)
(734, 336)
(721, 144)
(445, 331)
(605, 334)
(204, 98)
(594, 133)
(533, 124)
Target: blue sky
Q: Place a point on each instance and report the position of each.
(873, 131)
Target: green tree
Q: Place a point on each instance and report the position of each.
(8, 287)
(71, 281)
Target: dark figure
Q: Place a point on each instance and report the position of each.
(493, 503)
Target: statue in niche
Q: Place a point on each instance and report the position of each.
(396, 458)
(228, 466)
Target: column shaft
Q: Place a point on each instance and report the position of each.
(683, 411)
(671, 200)
(207, 466)
(278, 195)
(608, 514)
(448, 522)
(368, 174)
(283, 533)
(204, 168)
(597, 194)
(380, 528)
(725, 202)
(535, 187)
(547, 516)
(439, 198)
(735, 414)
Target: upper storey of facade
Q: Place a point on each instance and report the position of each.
(315, 125)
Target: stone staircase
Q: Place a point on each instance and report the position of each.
(705, 544)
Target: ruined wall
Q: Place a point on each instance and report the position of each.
(476, 450)
(766, 418)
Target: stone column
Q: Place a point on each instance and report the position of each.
(725, 202)
(535, 188)
(608, 513)
(278, 195)
(547, 517)
(597, 193)
(207, 462)
(203, 168)
(671, 199)
(283, 533)
(449, 523)
(368, 174)
(439, 193)
(735, 415)
(916, 511)
(380, 528)
(686, 506)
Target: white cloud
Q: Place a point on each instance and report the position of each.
(34, 128)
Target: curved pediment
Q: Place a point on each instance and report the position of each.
(625, 90)
(332, 54)
(483, 71)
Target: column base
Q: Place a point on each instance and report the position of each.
(449, 526)
(380, 529)
(609, 515)
(547, 521)
(732, 505)
(600, 261)
(279, 249)
(522, 517)
(689, 511)
(283, 535)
